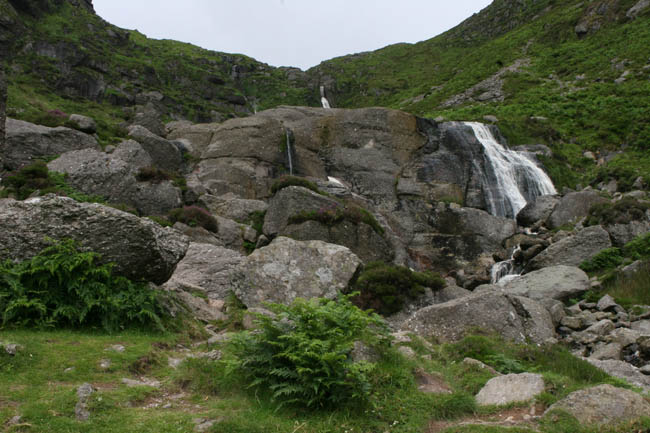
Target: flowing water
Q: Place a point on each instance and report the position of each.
(505, 270)
(510, 179)
(289, 153)
(323, 99)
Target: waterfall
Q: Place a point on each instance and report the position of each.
(505, 271)
(510, 179)
(323, 99)
(289, 152)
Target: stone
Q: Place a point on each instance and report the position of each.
(449, 293)
(556, 309)
(407, 352)
(537, 321)
(633, 268)
(206, 268)
(635, 10)
(26, 142)
(573, 322)
(573, 207)
(81, 408)
(557, 282)
(641, 326)
(491, 312)
(483, 366)
(200, 307)
(607, 303)
(607, 351)
(232, 207)
(164, 154)
(622, 370)
(3, 109)
(132, 383)
(573, 250)
(113, 176)
(199, 136)
(603, 404)
(430, 383)
(83, 123)
(601, 328)
(287, 269)
(510, 388)
(621, 234)
(140, 248)
(538, 210)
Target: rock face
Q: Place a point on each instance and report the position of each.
(287, 269)
(25, 142)
(292, 201)
(492, 312)
(113, 176)
(510, 388)
(141, 249)
(206, 268)
(3, 109)
(603, 404)
(573, 250)
(538, 210)
(573, 207)
(164, 154)
(557, 282)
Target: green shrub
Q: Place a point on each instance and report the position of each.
(606, 259)
(194, 216)
(385, 287)
(639, 248)
(152, 174)
(160, 220)
(621, 212)
(256, 220)
(286, 181)
(65, 287)
(301, 355)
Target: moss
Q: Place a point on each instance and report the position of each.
(287, 181)
(194, 216)
(337, 213)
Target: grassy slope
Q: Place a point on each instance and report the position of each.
(194, 81)
(593, 114)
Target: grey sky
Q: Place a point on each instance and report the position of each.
(298, 33)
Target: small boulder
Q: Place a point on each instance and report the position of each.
(603, 404)
(510, 388)
(573, 207)
(573, 250)
(557, 282)
(538, 210)
(83, 123)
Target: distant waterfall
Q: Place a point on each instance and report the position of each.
(323, 99)
(510, 179)
(289, 152)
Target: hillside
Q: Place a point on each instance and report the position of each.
(573, 75)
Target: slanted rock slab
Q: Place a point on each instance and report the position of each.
(603, 404)
(510, 388)
(557, 282)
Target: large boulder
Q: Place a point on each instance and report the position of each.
(622, 370)
(206, 268)
(573, 207)
(573, 250)
(113, 176)
(538, 210)
(198, 136)
(287, 269)
(232, 207)
(557, 282)
(26, 142)
(510, 388)
(621, 234)
(140, 248)
(164, 154)
(603, 404)
(491, 312)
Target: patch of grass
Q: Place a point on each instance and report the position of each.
(631, 290)
(256, 220)
(608, 258)
(152, 175)
(336, 213)
(385, 288)
(619, 212)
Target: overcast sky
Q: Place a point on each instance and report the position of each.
(299, 33)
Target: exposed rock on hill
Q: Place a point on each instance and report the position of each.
(140, 248)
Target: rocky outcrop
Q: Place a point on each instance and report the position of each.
(573, 207)
(140, 248)
(557, 282)
(232, 207)
(196, 138)
(113, 176)
(603, 404)
(573, 250)
(288, 269)
(164, 154)
(26, 142)
(491, 312)
(510, 388)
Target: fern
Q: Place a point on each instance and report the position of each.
(302, 353)
(63, 286)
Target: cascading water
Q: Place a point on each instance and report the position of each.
(323, 100)
(505, 270)
(510, 179)
(289, 152)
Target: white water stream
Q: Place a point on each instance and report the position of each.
(323, 100)
(289, 153)
(510, 178)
